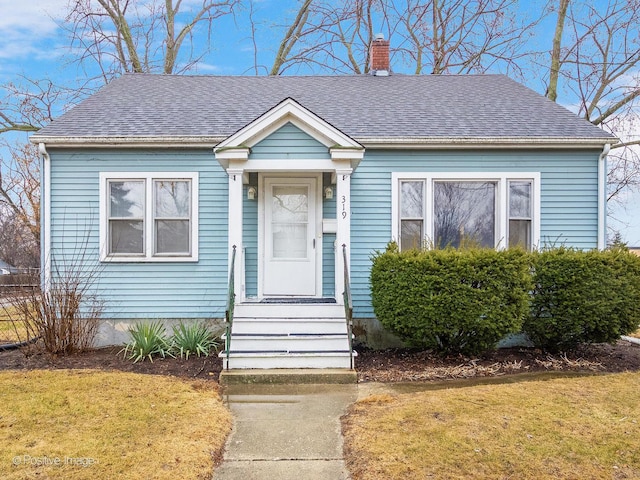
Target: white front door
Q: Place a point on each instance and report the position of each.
(290, 258)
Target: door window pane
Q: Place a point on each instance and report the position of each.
(289, 221)
(464, 212)
(289, 241)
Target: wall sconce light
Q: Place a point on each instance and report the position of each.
(328, 193)
(252, 192)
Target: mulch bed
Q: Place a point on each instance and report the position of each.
(394, 365)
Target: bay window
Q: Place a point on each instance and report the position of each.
(486, 209)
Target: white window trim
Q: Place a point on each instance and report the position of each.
(502, 212)
(148, 178)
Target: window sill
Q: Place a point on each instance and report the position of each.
(190, 259)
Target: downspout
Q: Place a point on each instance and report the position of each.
(45, 216)
(602, 197)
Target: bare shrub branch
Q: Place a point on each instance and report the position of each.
(62, 317)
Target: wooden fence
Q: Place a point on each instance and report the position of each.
(28, 279)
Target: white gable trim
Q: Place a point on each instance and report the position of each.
(289, 111)
(238, 145)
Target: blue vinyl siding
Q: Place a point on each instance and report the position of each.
(289, 142)
(143, 290)
(569, 202)
(198, 289)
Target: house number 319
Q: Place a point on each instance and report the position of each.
(344, 207)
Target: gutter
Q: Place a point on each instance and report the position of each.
(484, 142)
(602, 197)
(367, 142)
(45, 215)
(129, 142)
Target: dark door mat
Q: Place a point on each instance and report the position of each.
(287, 300)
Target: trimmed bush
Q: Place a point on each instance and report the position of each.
(583, 297)
(451, 301)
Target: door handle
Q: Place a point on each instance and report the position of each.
(314, 243)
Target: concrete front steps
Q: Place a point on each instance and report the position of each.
(288, 336)
(284, 376)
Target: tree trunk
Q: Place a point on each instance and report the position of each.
(552, 89)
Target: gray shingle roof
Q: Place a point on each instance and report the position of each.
(363, 107)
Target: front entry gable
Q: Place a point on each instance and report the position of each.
(239, 145)
(289, 142)
(290, 154)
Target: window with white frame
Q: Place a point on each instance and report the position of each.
(492, 210)
(149, 216)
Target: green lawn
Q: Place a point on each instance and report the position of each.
(563, 428)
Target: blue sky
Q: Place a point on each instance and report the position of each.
(32, 45)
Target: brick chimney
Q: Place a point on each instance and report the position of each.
(379, 56)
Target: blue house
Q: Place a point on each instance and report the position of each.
(301, 179)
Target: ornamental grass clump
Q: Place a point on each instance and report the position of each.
(451, 301)
(147, 339)
(194, 339)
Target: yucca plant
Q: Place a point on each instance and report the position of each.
(193, 339)
(147, 339)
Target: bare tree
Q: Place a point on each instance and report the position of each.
(28, 106)
(114, 36)
(323, 35)
(121, 36)
(462, 36)
(20, 188)
(347, 34)
(436, 36)
(552, 90)
(18, 247)
(598, 65)
(290, 38)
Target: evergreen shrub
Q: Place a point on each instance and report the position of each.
(451, 301)
(583, 297)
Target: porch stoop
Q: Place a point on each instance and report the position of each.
(283, 376)
(288, 336)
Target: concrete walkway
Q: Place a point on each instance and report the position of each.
(286, 432)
